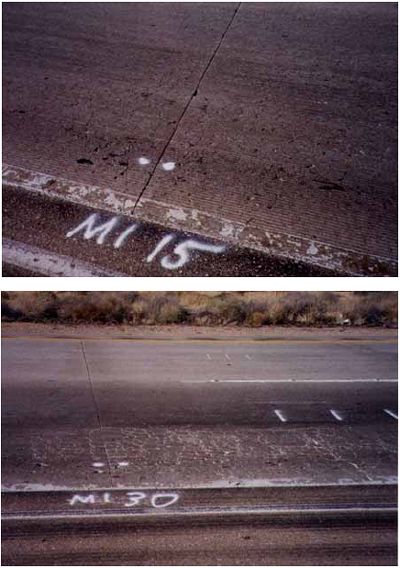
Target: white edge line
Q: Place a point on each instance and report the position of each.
(266, 485)
(235, 511)
(289, 381)
(48, 263)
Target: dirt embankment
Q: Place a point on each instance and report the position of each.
(26, 329)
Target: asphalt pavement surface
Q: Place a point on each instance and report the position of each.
(199, 451)
(263, 126)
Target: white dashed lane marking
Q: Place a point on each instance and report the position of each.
(280, 415)
(336, 415)
(391, 413)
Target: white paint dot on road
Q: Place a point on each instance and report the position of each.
(168, 166)
(280, 415)
(98, 464)
(144, 161)
(336, 415)
(391, 413)
(123, 464)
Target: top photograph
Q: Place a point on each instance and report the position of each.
(200, 139)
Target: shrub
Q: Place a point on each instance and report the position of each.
(96, 307)
(32, 306)
(157, 308)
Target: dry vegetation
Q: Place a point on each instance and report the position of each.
(253, 309)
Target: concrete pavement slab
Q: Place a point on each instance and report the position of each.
(293, 130)
(46, 385)
(83, 91)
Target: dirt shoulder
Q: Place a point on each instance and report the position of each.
(18, 329)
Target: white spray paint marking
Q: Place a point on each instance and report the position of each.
(98, 464)
(48, 263)
(183, 252)
(227, 357)
(107, 497)
(89, 225)
(208, 356)
(134, 498)
(121, 239)
(129, 499)
(248, 357)
(144, 161)
(123, 464)
(163, 243)
(336, 415)
(157, 500)
(168, 166)
(86, 499)
(391, 413)
(280, 415)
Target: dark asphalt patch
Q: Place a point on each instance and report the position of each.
(44, 222)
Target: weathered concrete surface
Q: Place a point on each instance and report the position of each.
(295, 122)
(195, 456)
(280, 118)
(122, 414)
(61, 369)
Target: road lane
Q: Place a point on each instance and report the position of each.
(220, 382)
(200, 411)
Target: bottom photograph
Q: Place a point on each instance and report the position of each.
(199, 428)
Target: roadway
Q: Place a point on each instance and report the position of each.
(217, 423)
(264, 126)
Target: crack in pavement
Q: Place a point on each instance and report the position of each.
(194, 93)
(96, 408)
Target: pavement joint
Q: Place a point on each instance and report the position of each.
(168, 166)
